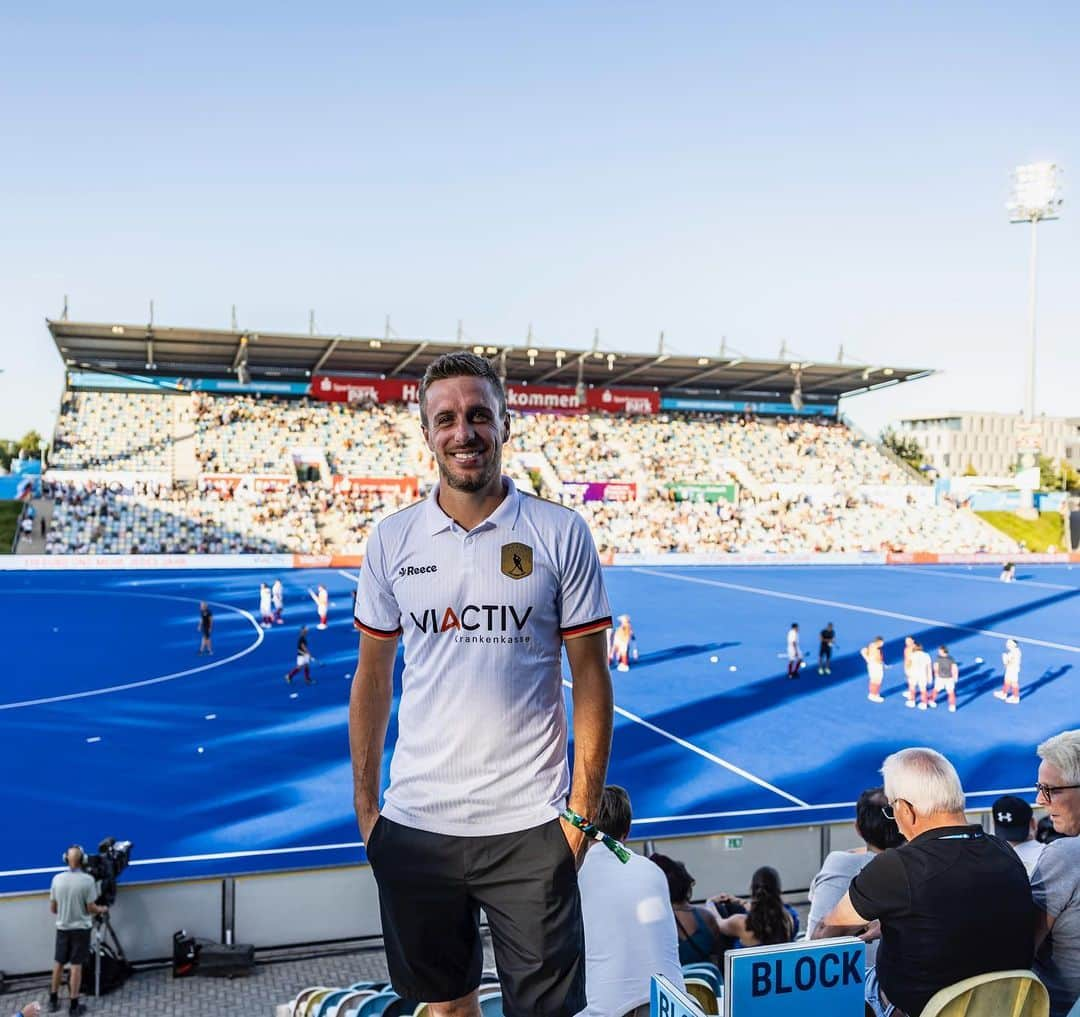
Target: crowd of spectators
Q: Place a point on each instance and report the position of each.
(797, 486)
(113, 431)
(936, 898)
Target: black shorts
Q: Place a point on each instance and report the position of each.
(72, 946)
(431, 890)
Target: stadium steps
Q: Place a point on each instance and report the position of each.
(185, 465)
(35, 543)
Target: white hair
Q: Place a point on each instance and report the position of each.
(1063, 751)
(924, 779)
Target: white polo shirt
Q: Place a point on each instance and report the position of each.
(630, 931)
(482, 728)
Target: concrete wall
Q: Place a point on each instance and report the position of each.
(279, 909)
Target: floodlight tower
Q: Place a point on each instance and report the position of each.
(1036, 197)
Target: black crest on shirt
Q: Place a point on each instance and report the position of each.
(517, 560)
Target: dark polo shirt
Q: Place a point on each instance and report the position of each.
(954, 902)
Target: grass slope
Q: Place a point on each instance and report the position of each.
(9, 516)
(1037, 534)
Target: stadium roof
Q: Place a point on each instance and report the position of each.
(211, 353)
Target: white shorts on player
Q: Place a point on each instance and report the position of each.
(1011, 660)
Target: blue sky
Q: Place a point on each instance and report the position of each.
(767, 172)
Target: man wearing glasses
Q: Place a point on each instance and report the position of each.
(953, 902)
(1055, 883)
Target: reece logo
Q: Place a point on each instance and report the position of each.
(416, 570)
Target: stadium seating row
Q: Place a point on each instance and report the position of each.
(690, 482)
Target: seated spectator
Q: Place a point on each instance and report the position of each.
(1055, 884)
(764, 919)
(629, 925)
(1045, 832)
(830, 884)
(1014, 823)
(953, 902)
(696, 925)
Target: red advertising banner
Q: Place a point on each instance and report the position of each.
(623, 400)
(364, 390)
(520, 398)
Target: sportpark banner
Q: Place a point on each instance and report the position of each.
(522, 398)
(601, 491)
(703, 492)
(62, 562)
(153, 562)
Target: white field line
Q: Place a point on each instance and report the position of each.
(711, 757)
(261, 635)
(922, 570)
(741, 588)
(808, 808)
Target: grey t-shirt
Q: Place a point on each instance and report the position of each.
(1055, 887)
(829, 886)
(72, 891)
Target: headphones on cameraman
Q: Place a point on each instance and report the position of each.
(82, 855)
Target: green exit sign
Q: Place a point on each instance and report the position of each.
(733, 843)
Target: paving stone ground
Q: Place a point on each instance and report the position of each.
(277, 978)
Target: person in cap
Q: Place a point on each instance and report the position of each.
(1014, 823)
(1055, 883)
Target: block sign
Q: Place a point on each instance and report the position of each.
(819, 979)
(667, 1001)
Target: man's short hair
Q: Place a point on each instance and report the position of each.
(461, 364)
(924, 779)
(874, 828)
(1063, 751)
(614, 815)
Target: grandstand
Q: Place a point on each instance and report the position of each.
(203, 441)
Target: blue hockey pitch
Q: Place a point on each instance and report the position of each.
(112, 723)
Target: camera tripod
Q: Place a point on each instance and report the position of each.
(103, 935)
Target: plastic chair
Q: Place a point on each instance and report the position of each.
(314, 1003)
(703, 994)
(491, 1006)
(299, 1005)
(997, 994)
(329, 1003)
(708, 972)
(350, 1003)
(375, 1006)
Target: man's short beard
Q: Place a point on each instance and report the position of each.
(468, 484)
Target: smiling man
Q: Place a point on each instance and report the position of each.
(485, 587)
(1055, 883)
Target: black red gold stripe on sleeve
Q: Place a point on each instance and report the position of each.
(370, 630)
(583, 630)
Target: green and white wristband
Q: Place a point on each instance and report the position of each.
(590, 830)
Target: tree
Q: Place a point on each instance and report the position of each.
(907, 449)
(1051, 475)
(28, 443)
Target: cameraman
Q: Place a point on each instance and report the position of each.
(71, 899)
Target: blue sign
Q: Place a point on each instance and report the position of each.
(819, 979)
(741, 406)
(146, 383)
(667, 1001)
